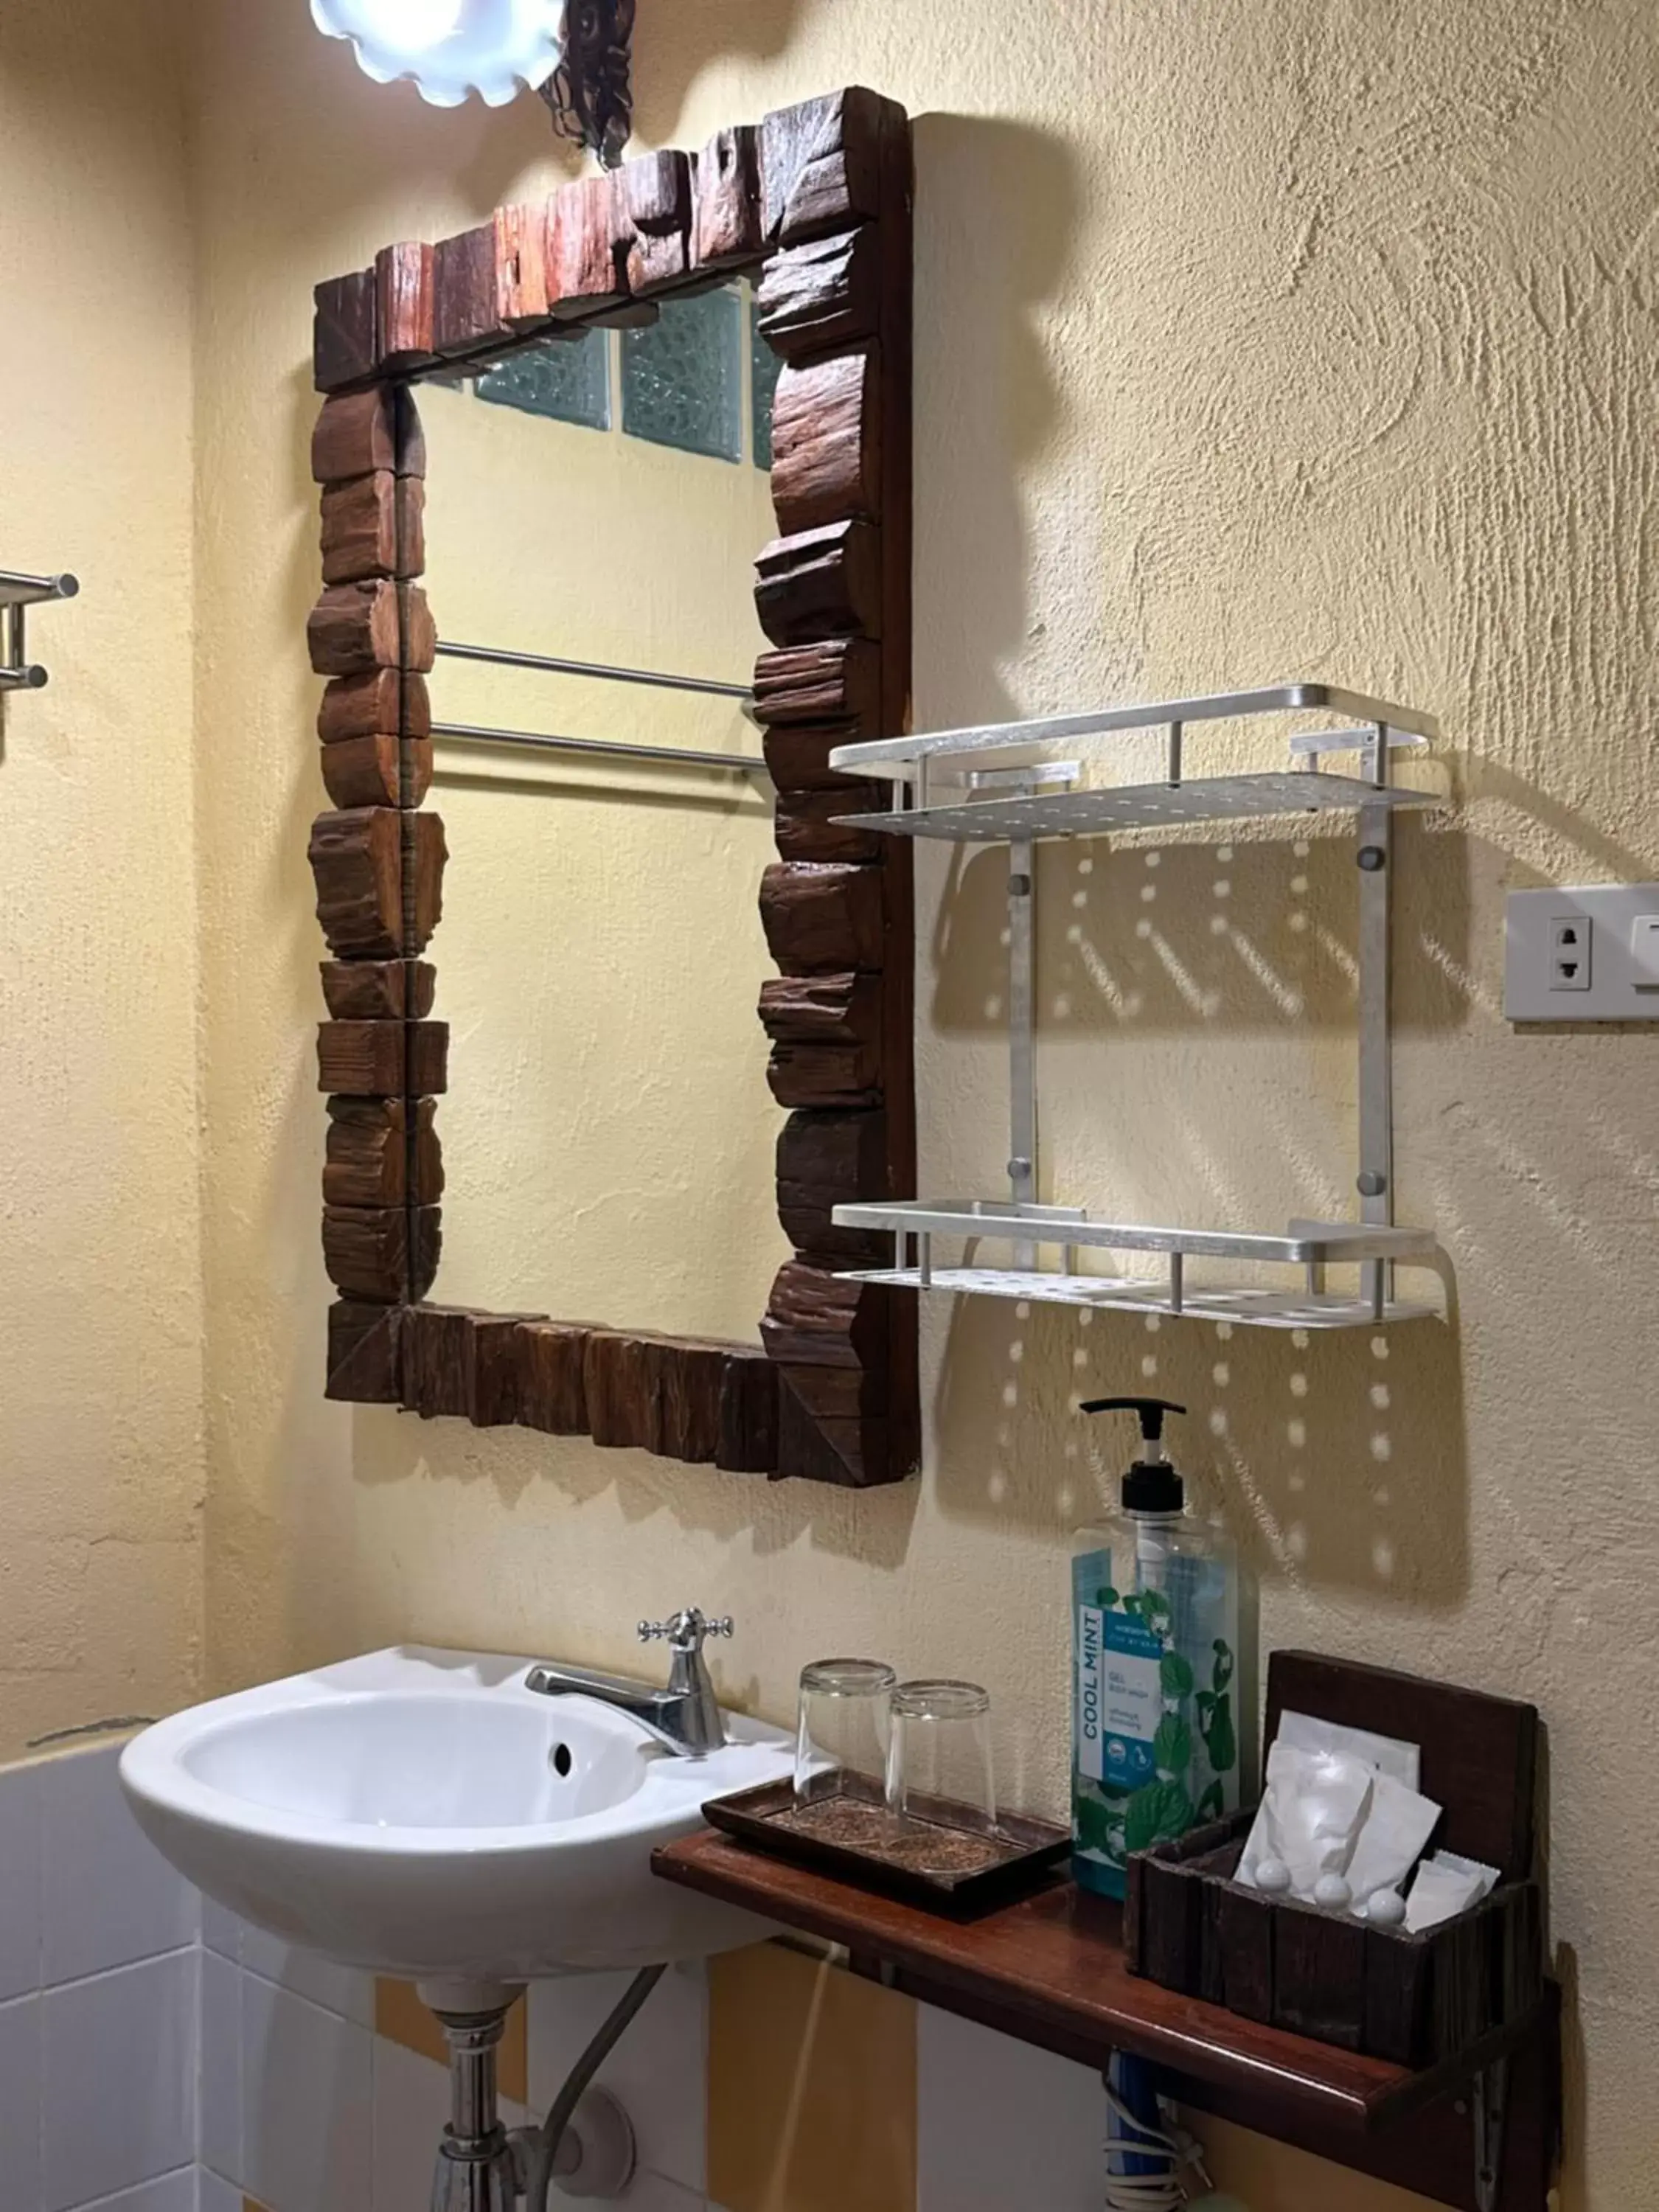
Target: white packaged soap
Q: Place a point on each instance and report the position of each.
(1395, 1835)
(1446, 1884)
(1309, 1817)
(1388, 1754)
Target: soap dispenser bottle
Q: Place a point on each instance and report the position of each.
(1155, 1623)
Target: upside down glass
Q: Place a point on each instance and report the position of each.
(842, 1737)
(938, 1764)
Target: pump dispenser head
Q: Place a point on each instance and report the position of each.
(1152, 1485)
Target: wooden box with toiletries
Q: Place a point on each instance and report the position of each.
(1414, 1999)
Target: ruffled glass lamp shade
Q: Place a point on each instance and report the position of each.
(450, 48)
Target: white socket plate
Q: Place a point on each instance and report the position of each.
(1612, 928)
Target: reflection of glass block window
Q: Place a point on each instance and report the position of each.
(765, 364)
(567, 379)
(682, 379)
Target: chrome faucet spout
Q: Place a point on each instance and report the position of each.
(685, 1715)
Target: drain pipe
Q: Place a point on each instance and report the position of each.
(476, 2171)
(586, 2144)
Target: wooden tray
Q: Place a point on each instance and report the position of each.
(767, 1819)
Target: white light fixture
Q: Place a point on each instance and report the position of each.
(449, 48)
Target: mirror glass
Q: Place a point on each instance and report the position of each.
(608, 1134)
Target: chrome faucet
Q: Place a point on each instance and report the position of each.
(686, 1716)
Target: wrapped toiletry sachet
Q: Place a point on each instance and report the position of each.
(1309, 1820)
(1341, 1818)
(1446, 1884)
(1389, 1754)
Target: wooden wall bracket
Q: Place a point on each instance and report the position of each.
(817, 202)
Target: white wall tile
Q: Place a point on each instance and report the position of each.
(341, 1989)
(412, 2105)
(118, 2095)
(20, 2102)
(651, 2193)
(659, 2070)
(219, 2124)
(306, 2104)
(1002, 2127)
(222, 1931)
(19, 1891)
(110, 1897)
(214, 2194)
(174, 2192)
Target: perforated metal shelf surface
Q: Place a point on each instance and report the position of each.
(1142, 806)
(1305, 1243)
(1251, 1309)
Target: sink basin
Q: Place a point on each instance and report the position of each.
(422, 1813)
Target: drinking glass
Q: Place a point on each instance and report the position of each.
(938, 1764)
(841, 1739)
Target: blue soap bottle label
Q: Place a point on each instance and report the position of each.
(1155, 1748)
(1134, 1703)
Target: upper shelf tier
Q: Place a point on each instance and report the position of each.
(1032, 802)
(1306, 1243)
(1138, 806)
(890, 756)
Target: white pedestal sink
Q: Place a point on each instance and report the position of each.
(422, 1813)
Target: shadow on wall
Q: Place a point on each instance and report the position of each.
(675, 44)
(998, 204)
(1329, 1472)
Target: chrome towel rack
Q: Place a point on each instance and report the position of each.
(17, 593)
(548, 664)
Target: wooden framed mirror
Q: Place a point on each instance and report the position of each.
(814, 206)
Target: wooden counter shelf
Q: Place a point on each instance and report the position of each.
(1049, 1970)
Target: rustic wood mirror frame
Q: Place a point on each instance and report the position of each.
(818, 196)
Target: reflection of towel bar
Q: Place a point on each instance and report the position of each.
(676, 756)
(17, 593)
(501, 659)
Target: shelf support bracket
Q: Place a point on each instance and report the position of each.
(1492, 2090)
(1022, 1034)
(1375, 1177)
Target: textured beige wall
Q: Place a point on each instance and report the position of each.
(1313, 339)
(102, 1457)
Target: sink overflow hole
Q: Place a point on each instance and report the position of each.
(563, 1762)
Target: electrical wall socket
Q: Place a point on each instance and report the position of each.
(1569, 952)
(1589, 954)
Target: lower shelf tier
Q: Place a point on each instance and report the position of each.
(1049, 1970)
(1375, 1249)
(1135, 1294)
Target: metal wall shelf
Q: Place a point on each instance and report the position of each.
(1140, 807)
(886, 756)
(1019, 793)
(1311, 1245)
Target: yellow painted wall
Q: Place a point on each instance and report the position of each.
(1314, 340)
(1251, 341)
(101, 1456)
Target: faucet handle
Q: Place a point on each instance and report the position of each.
(686, 1629)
